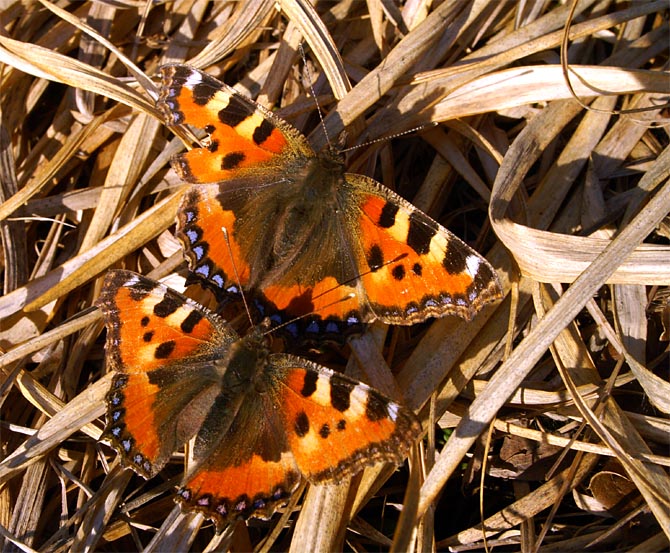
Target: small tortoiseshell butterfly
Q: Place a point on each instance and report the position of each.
(303, 236)
(261, 420)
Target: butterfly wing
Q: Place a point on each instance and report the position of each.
(288, 270)
(229, 229)
(244, 137)
(242, 464)
(411, 267)
(244, 471)
(162, 347)
(336, 426)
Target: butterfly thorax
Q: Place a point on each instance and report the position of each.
(316, 178)
(313, 192)
(243, 367)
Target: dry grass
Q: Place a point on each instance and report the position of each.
(559, 395)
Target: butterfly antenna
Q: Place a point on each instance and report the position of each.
(308, 74)
(391, 136)
(237, 276)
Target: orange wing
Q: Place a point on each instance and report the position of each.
(336, 426)
(244, 471)
(411, 267)
(161, 346)
(244, 137)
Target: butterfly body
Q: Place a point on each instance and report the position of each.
(305, 239)
(260, 421)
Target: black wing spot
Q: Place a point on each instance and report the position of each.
(263, 132)
(164, 350)
(232, 160)
(189, 323)
(387, 216)
(167, 306)
(309, 384)
(375, 258)
(234, 113)
(301, 425)
(421, 232)
(398, 272)
(340, 393)
(454, 263)
(202, 94)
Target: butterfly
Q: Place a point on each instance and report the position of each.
(306, 241)
(262, 421)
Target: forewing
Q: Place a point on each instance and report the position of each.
(411, 267)
(161, 345)
(243, 136)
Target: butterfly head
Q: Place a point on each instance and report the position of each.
(244, 359)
